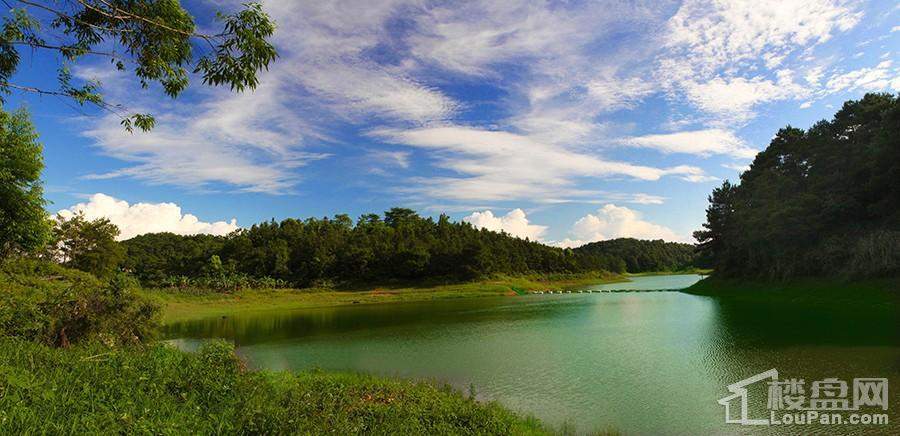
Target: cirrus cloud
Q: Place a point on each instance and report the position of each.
(499, 165)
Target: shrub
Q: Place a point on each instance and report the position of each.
(227, 282)
(48, 303)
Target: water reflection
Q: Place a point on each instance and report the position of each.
(306, 323)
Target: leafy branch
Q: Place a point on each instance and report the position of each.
(155, 38)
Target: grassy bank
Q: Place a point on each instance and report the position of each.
(186, 304)
(701, 271)
(92, 389)
(870, 294)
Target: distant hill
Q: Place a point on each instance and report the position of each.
(643, 255)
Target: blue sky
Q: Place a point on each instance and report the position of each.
(565, 122)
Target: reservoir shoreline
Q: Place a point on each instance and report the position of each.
(189, 304)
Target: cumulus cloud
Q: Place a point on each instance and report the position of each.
(515, 223)
(139, 218)
(612, 222)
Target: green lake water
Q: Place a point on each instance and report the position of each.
(639, 362)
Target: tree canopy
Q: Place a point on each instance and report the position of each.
(23, 221)
(87, 245)
(157, 40)
(822, 201)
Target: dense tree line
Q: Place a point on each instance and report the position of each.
(639, 255)
(399, 245)
(157, 257)
(822, 201)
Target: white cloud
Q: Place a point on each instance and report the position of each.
(386, 162)
(328, 46)
(607, 197)
(813, 75)
(515, 223)
(365, 90)
(734, 99)
(612, 222)
(251, 141)
(568, 243)
(717, 50)
(559, 88)
(498, 165)
(737, 167)
(472, 37)
(879, 77)
(709, 36)
(139, 218)
(615, 93)
(641, 198)
(698, 142)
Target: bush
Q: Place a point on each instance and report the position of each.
(224, 283)
(47, 303)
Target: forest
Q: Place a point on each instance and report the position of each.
(640, 255)
(819, 202)
(400, 245)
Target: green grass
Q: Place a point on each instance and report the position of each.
(180, 305)
(869, 294)
(91, 389)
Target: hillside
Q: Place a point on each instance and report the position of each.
(642, 255)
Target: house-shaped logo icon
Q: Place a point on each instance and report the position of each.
(739, 393)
